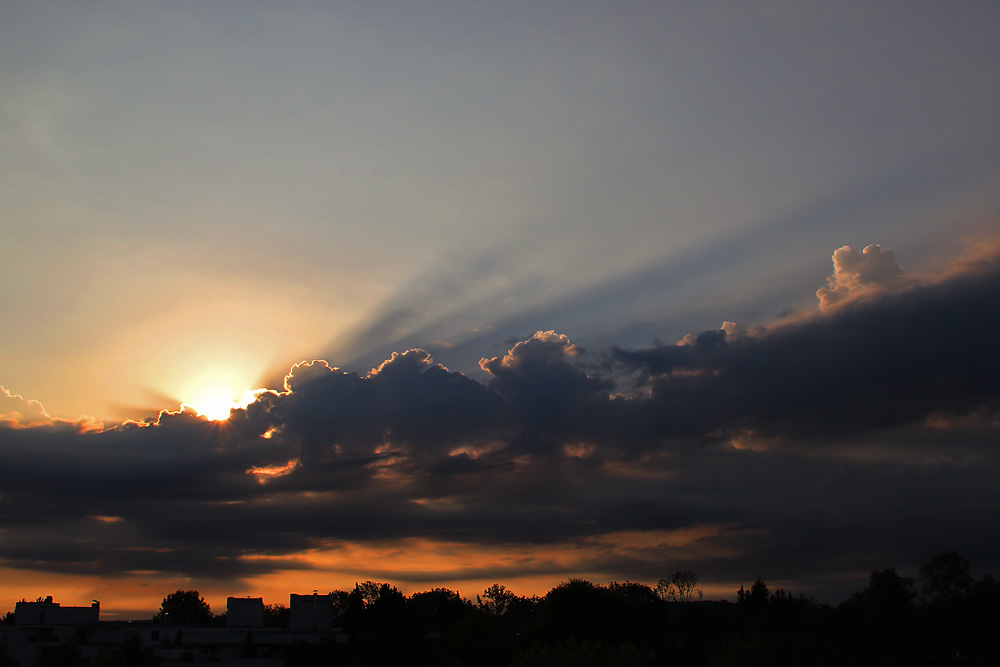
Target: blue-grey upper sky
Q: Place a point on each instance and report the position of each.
(337, 179)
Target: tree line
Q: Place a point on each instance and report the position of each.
(930, 620)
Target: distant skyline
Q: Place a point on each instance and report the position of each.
(500, 292)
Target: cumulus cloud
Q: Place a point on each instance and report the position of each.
(860, 273)
(16, 411)
(883, 361)
(761, 441)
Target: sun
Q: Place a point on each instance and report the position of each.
(216, 403)
(215, 387)
(213, 404)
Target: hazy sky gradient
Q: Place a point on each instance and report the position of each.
(196, 196)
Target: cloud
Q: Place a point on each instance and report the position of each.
(860, 273)
(840, 437)
(883, 358)
(16, 411)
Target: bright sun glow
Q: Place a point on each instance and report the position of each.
(215, 406)
(215, 403)
(216, 386)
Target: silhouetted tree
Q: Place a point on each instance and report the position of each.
(368, 591)
(957, 606)
(497, 600)
(681, 586)
(757, 596)
(882, 619)
(886, 592)
(642, 609)
(276, 616)
(511, 609)
(437, 613)
(381, 625)
(776, 629)
(185, 607)
(339, 600)
(439, 608)
(389, 610)
(581, 611)
(946, 577)
(575, 609)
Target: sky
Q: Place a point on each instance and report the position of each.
(494, 292)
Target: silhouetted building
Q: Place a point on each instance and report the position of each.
(244, 613)
(310, 613)
(44, 626)
(47, 612)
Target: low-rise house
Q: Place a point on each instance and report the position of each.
(46, 625)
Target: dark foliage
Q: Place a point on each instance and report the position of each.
(276, 616)
(681, 586)
(383, 626)
(946, 577)
(882, 619)
(185, 607)
(607, 618)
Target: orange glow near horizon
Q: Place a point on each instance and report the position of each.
(412, 565)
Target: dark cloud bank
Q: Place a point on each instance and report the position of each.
(859, 437)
